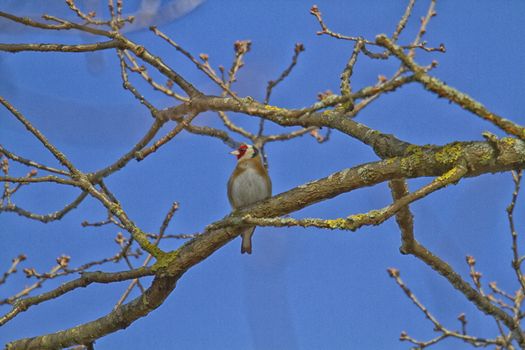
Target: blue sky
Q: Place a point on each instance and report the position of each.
(301, 288)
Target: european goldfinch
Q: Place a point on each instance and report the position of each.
(249, 183)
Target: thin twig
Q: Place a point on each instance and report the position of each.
(445, 333)
(57, 215)
(183, 124)
(12, 268)
(89, 17)
(272, 83)
(30, 162)
(103, 45)
(56, 153)
(443, 90)
(235, 128)
(346, 88)
(86, 279)
(403, 21)
(423, 28)
(126, 158)
(128, 86)
(516, 261)
(198, 64)
(167, 219)
(142, 71)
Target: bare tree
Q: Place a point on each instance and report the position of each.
(398, 160)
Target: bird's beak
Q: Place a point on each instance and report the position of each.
(235, 153)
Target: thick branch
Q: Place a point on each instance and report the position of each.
(86, 279)
(115, 320)
(156, 62)
(373, 217)
(82, 181)
(383, 144)
(479, 157)
(138, 50)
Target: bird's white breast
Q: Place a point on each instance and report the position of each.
(249, 187)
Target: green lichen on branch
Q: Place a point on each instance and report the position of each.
(451, 174)
(274, 109)
(441, 89)
(449, 154)
(510, 141)
(373, 217)
(165, 261)
(135, 232)
(338, 224)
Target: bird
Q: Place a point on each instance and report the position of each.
(248, 184)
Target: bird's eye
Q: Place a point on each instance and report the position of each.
(243, 147)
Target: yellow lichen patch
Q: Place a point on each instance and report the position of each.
(508, 141)
(165, 261)
(413, 161)
(413, 149)
(372, 214)
(116, 209)
(358, 218)
(337, 224)
(449, 153)
(390, 161)
(446, 176)
(485, 158)
(414, 157)
(273, 108)
(368, 174)
(367, 218)
(348, 105)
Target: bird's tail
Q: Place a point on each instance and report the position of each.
(246, 235)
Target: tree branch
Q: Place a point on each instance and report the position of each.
(57, 215)
(373, 217)
(111, 44)
(115, 320)
(86, 279)
(443, 90)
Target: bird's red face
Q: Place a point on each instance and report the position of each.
(241, 151)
